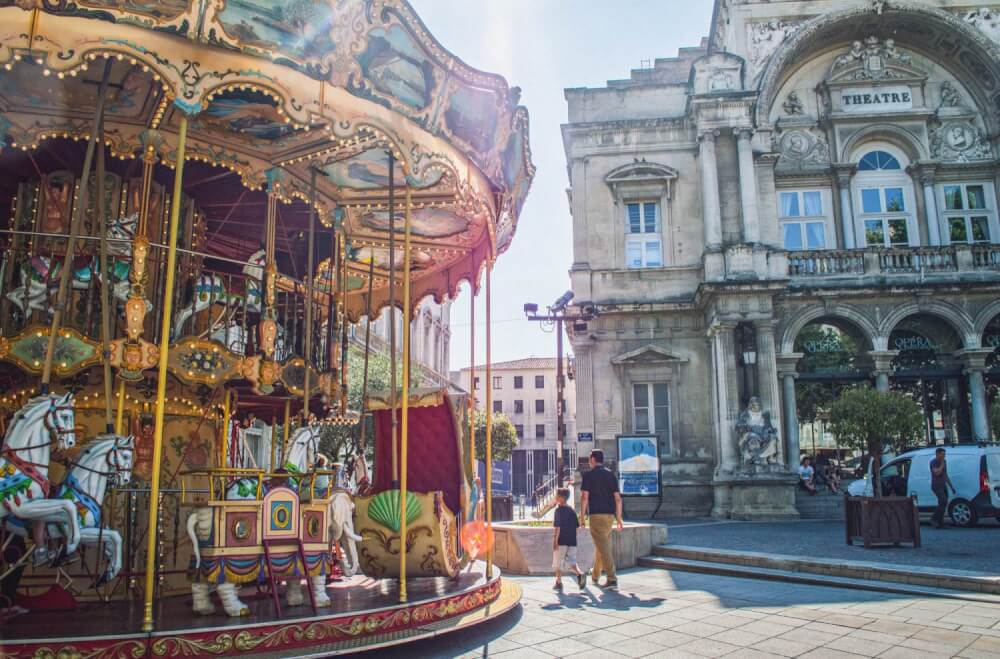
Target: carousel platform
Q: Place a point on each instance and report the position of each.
(365, 614)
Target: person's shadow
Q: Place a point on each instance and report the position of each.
(604, 599)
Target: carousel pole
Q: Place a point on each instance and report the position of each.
(161, 383)
(364, 378)
(120, 415)
(343, 326)
(74, 230)
(404, 436)
(392, 318)
(285, 430)
(224, 435)
(489, 421)
(310, 251)
(472, 387)
(105, 286)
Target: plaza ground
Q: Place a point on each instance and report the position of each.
(657, 613)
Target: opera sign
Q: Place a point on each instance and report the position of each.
(991, 341)
(881, 99)
(914, 342)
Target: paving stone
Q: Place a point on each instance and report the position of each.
(532, 637)
(930, 646)
(900, 652)
(893, 627)
(668, 638)
(836, 630)
(767, 628)
(635, 629)
(563, 647)
(749, 653)
(877, 637)
(739, 637)
(638, 647)
(698, 629)
(708, 648)
(982, 648)
(946, 637)
(783, 647)
(860, 646)
(524, 653)
(601, 638)
(809, 637)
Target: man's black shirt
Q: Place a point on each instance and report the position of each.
(601, 485)
(566, 521)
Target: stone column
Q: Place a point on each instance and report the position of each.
(925, 174)
(844, 173)
(767, 376)
(787, 363)
(711, 211)
(748, 186)
(975, 364)
(726, 403)
(883, 366)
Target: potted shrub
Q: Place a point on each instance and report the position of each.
(876, 422)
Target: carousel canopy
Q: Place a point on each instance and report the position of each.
(278, 94)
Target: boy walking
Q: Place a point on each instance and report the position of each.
(564, 540)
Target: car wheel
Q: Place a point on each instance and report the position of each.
(962, 513)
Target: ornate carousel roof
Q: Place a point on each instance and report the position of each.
(277, 92)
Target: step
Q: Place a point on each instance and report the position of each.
(862, 570)
(788, 576)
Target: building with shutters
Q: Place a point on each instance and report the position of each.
(805, 201)
(525, 390)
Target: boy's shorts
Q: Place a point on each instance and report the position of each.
(563, 558)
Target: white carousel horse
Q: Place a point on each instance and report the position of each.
(342, 530)
(107, 458)
(210, 289)
(301, 454)
(24, 465)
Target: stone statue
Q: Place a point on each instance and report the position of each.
(949, 95)
(758, 436)
(793, 104)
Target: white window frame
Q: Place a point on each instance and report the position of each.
(642, 239)
(881, 180)
(990, 212)
(497, 382)
(663, 434)
(802, 220)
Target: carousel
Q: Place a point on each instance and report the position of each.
(207, 200)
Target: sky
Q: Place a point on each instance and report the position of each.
(543, 47)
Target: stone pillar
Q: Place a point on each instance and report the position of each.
(767, 377)
(726, 403)
(748, 186)
(975, 364)
(925, 174)
(787, 364)
(844, 173)
(883, 366)
(711, 211)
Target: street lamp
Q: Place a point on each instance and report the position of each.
(748, 350)
(556, 316)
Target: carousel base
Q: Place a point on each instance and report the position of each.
(365, 614)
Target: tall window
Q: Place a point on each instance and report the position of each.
(519, 382)
(651, 408)
(540, 431)
(643, 245)
(968, 212)
(539, 382)
(497, 382)
(539, 406)
(519, 430)
(475, 383)
(882, 193)
(498, 406)
(803, 220)
(518, 407)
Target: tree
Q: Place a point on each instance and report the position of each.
(995, 418)
(826, 350)
(503, 436)
(875, 422)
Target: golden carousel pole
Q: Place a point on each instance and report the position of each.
(106, 284)
(310, 256)
(74, 230)
(161, 384)
(285, 430)
(472, 387)
(224, 461)
(404, 436)
(392, 318)
(120, 412)
(489, 420)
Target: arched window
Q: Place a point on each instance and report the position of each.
(878, 160)
(883, 198)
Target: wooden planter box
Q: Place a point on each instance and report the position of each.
(882, 521)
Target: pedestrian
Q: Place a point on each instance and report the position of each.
(564, 541)
(603, 501)
(806, 473)
(939, 485)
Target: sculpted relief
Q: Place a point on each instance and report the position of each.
(801, 146)
(763, 39)
(985, 20)
(959, 141)
(873, 59)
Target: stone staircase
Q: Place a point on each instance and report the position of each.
(822, 506)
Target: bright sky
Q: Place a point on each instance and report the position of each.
(544, 46)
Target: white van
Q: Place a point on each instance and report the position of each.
(974, 471)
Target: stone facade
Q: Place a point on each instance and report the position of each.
(430, 338)
(808, 198)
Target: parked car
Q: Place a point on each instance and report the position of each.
(973, 469)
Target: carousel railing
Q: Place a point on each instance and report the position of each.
(211, 302)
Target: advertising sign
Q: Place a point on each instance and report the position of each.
(638, 465)
(501, 475)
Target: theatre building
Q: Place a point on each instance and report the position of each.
(807, 200)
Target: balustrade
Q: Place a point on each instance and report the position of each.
(825, 263)
(986, 257)
(918, 259)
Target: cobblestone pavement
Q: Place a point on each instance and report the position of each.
(951, 548)
(657, 613)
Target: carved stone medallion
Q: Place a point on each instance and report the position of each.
(959, 141)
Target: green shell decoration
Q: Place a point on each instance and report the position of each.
(384, 509)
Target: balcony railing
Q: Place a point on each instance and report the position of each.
(894, 261)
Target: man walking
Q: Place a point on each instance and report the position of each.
(939, 485)
(604, 502)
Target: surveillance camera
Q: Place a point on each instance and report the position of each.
(563, 300)
(530, 308)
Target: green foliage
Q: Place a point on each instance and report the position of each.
(503, 436)
(826, 350)
(875, 421)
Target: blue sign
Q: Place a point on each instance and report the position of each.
(584, 436)
(501, 475)
(638, 465)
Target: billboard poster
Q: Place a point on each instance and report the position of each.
(501, 475)
(638, 465)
